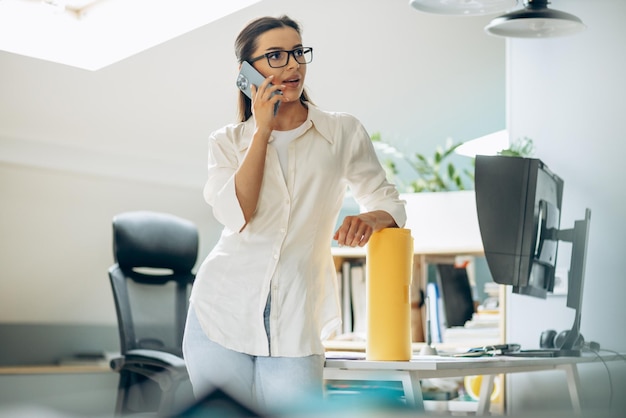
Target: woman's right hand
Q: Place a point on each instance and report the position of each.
(263, 103)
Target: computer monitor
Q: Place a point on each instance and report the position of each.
(456, 294)
(519, 202)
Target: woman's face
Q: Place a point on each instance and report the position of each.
(291, 75)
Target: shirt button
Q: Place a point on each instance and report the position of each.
(275, 256)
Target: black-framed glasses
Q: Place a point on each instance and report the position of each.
(280, 58)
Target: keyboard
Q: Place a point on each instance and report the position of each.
(544, 352)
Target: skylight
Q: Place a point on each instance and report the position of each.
(92, 34)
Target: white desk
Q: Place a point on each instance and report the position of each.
(424, 367)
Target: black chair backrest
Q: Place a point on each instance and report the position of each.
(154, 255)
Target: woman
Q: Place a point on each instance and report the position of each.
(266, 295)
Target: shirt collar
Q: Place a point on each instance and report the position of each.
(316, 118)
(321, 122)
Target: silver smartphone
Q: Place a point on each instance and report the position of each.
(248, 75)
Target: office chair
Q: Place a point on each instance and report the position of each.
(151, 279)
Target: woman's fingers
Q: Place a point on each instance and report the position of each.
(264, 99)
(354, 231)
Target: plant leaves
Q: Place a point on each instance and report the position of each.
(429, 170)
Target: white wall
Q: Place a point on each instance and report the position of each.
(569, 95)
(57, 240)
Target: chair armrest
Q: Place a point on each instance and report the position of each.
(165, 368)
(158, 357)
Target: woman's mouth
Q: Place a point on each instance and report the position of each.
(292, 82)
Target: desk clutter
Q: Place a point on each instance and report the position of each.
(413, 374)
(451, 317)
(376, 286)
(388, 279)
(454, 317)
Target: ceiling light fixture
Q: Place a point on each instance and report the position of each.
(463, 7)
(535, 21)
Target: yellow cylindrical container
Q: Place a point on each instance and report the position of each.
(389, 272)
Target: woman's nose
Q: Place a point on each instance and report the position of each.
(292, 62)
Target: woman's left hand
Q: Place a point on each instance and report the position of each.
(354, 231)
(357, 230)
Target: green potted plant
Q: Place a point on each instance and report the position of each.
(522, 147)
(432, 174)
(436, 173)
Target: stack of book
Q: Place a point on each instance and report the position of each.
(482, 329)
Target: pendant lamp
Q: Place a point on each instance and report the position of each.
(463, 7)
(535, 21)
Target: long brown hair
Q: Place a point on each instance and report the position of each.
(246, 44)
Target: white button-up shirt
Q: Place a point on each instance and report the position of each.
(285, 249)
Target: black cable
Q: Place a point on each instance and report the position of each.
(608, 372)
(617, 353)
(596, 350)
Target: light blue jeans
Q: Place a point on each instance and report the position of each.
(266, 383)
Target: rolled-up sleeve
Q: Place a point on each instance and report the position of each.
(219, 190)
(367, 178)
